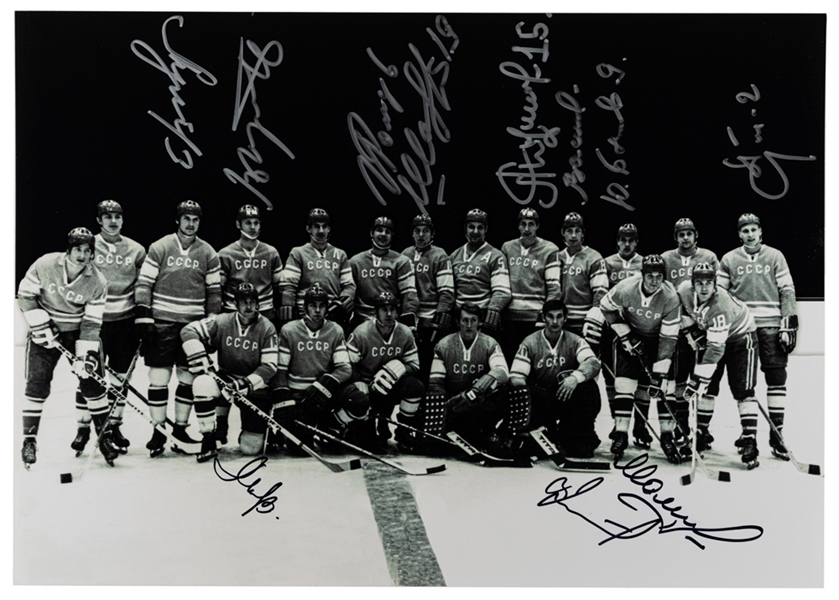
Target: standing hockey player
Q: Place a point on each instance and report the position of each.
(730, 342)
(555, 372)
(318, 261)
(758, 275)
(480, 273)
(62, 298)
(312, 375)
(584, 282)
(435, 289)
(468, 375)
(119, 259)
(644, 315)
(385, 366)
(248, 260)
(179, 283)
(534, 279)
(381, 269)
(246, 346)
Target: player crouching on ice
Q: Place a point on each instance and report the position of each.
(246, 343)
(553, 374)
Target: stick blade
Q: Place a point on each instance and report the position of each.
(813, 470)
(435, 469)
(686, 479)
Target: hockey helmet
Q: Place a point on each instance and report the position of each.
(248, 211)
(385, 299)
(245, 290)
(573, 219)
(653, 263)
(628, 231)
(385, 222)
(79, 237)
(315, 293)
(684, 224)
(528, 213)
(747, 219)
(422, 221)
(476, 215)
(703, 272)
(108, 206)
(189, 207)
(317, 215)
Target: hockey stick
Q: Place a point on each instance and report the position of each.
(134, 391)
(336, 466)
(454, 440)
(354, 448)
(689, 478)
(807, 468)
(559, 459)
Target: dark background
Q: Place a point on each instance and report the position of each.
(84, 133)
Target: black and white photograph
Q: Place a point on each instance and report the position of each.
(477, 298)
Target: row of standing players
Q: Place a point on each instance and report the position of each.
(339, 342)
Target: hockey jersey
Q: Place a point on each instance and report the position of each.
(762, 280)
(679, 268)
(540, 363)
(434, 281)
(120, 263)
(723, 318)
(76, 305)
(306, 355)
(534, 277)
(306, 265)
(369, 351)
(658, 314)
(390, 272)
(481, 277)
(584, 281)
(180, 285)
(618, 269)
(261, 267)
(455, 366)
(244, 350)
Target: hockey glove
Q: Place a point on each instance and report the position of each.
(464, 401)
(387, 377)
(484, 384)
(84, 367)
(656, 389)
(695, 387)
(196, 356)
(491, 320)
(788, 334)
(285, 314)
(144, 326)
(442, 320)
(632, 344)
(340, 310)
(696, 338)
(320, 392)
(240, 385)
(41, 328)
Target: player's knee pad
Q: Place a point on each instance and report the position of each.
(251, 443)
(160, 376)
(625, 385)
(205, 387)
(184, 376)
(90, 388)
(776, 376)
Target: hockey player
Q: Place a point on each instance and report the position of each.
(555, 371)
(119, 259)
(759, 275)
(381, 269)
(178, 283)
(252, 261)
(534, 279)
(644, 314)
(480, 273)
(468, 375)
(246, 347)
(584, 282)
(318, 261)
(435, 289)
(385, 364)
(312, 377)
(62, 298)
(730, 342)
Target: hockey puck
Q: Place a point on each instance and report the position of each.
(66, 477)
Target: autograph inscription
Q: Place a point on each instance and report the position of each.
(181, 127)
(264, 502)
(650, 512)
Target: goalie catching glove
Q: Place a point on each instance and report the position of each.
(387, 376)
(787, 336)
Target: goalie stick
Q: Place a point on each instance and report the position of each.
(559, 459)
(333, 465)
(809, 469)
(354, 448)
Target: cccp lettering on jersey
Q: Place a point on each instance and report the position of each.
(550, 362)
(386, 351)
(250, 263)
(572, 271)
(680, 273)
(646, 314)
(523, 261)
(183, 261)
(313, 345)
(756, 268)
(421, 268)
(468, 368)
(69, 295)
(322, 264)
(241, 343)
(118, 259)
(619, 275)
(380, 272)
(468, 269)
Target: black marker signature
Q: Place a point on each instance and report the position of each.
(650, 511)
(265, 502)
(145, 53)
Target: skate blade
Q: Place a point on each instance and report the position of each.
(177, 449)
(79, 453)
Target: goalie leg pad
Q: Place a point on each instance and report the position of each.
(434, 412)
(520, 404)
